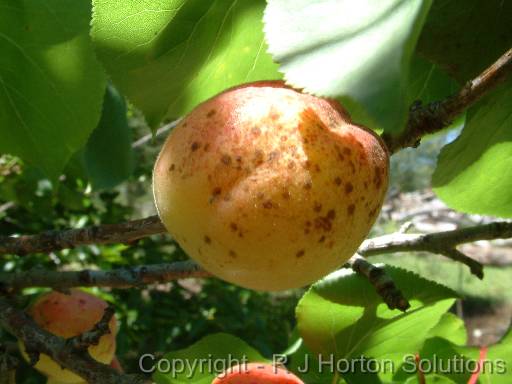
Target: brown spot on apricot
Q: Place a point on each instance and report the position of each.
(317, 207)
(300, 253)
(350, 209)
(291, 165)
(337, 180)
(172, 167)
(268, 204)
(349, 188)
(347, 151)
(323, 223)
(286, 194)
(232, 254)
(233, 227)
(322, 239)
(211, 113)
(377, 179)
(225, 159)
(274, 155)
(216, 191)
(195, 146)
(308, 185)
(258, 158)
(331, 214)
(206, 147)
(207, 239)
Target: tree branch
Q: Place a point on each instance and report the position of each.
(93, 336)
(51, 241)
(382, 282)
(116, 278)
(79, 361)
(443, 243)
(437, 115)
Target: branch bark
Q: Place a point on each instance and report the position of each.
(437, 115)
(117, 278)
(443, 243)
(77, 360)
(384, 285)
(51, 241)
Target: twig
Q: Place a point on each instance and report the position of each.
(382, 282)
(117, 278)
(443, 243)
(76, 360)
(103, 234)
(435, 116)
(93, 336)
(144, 139)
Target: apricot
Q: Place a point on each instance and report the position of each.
(67, 316)
(256, 373)
(268, 187)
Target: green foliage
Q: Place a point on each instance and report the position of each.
(474, 173)
(356, 51)
(168, 56)
(343, 314)
(51, 84)
(108, 154)
(223, 350)
(463, 38)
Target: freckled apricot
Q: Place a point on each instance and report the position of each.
(256, 373)
(319, 168)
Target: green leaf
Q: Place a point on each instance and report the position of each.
(220, 350)
(358, 52)
(427, 82)
(343, 314)
(51, 85)
(451, 328)
(474, 173)
(108, 153)
(168, 56)
(458, 363)
(430, 379)
(486, 35)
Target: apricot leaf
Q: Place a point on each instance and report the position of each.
(204, 360)
(168, 56)
(358, 52)
(490, 35)
(342, 314)
(474, 173)
(108, 153)
(51, 85)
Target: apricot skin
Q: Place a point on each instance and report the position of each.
(256, 373)
(67, 316)
(270, 188)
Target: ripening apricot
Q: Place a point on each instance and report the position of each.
(268, 187)
(256, 373)
(67, 316)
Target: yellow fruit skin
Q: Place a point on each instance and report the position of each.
(67, 316)
(270, 188)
